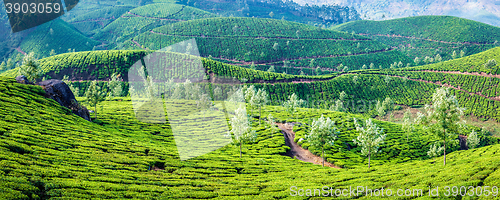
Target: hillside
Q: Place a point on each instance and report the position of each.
(56, 35)
(267, 43)
(138, 160)
(429, 35)
(479, 10)
(93, 21)
(145, 18)
(288, 10)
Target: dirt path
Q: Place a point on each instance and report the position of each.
(18, 49)
(297, 151)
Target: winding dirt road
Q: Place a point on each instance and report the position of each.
(297, 151)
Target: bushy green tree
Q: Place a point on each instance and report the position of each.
(435, 150)
(30, 67)
(94, 96)
(217, 93)
(408, 124)
(114, 86)
(473, 140)
(292, 104)
(240, 128)
(271, 69)
(260, 99)
(370, 138)
(73, 89)
(323, 132)
(442, 116)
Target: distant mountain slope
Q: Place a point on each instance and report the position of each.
(314, 15)
(93, 21)
(56, 35)
(268, 42)
(429, 35)
(145, 18)
(486, 11)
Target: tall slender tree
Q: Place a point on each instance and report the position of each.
(370, 138)
(323, 132)
(442, 116)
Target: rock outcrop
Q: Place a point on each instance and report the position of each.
(60, 92)
(22, 79)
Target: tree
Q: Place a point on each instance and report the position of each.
(407, 124)
(94, 96)
(438, 58)
(249, 94)
(260, 99)
(490, 65)
(204, 102)
(217, 93)
(318, 71)
(323, 132)
(364, 67)
(462, 53)
(292, 104)
(271, 123)
(370, 138)
(302, 73)
(252, 66)
(114, 86)
(442, 116)
(311, 63)
(417, 60)
(387, 79)
(271, 14)
(3, 66)
(372, 66)
(52, 52)
(473, 140)
(75, 90)
(435, 150)
(340, 67)
(339, 106)
(355, 79)
(454, 55)
(271, 69)
(380, 109)
(30, 67)
(240, 128)
(276, 46)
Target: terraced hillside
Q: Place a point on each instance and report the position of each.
(120, 157)
(267, 43)
(145, 18)
(429, 35)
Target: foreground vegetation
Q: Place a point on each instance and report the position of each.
(118, 156)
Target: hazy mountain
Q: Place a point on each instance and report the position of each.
(487, 11)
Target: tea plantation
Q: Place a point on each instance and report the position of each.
(49, 153)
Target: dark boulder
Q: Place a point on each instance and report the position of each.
(22, 79)
(463, 142)
(60, 92)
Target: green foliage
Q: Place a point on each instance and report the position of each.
(442, 116)
(473, 140)
(323, 132)
(370, 138)
(423, 36)
(241, 129)
(94, 95)
(30, 67)
(269, 42)
(435, 150)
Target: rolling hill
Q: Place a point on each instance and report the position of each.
(145, 18)
(429, 35)
(121, 157)
(56, 35)
(93, 21)
(267, 43)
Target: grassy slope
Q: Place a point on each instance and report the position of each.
(92, 65)
(62, 37)
(111, 160)
(460, 32)
(245, 40)
(93, 21)
(145, 18)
